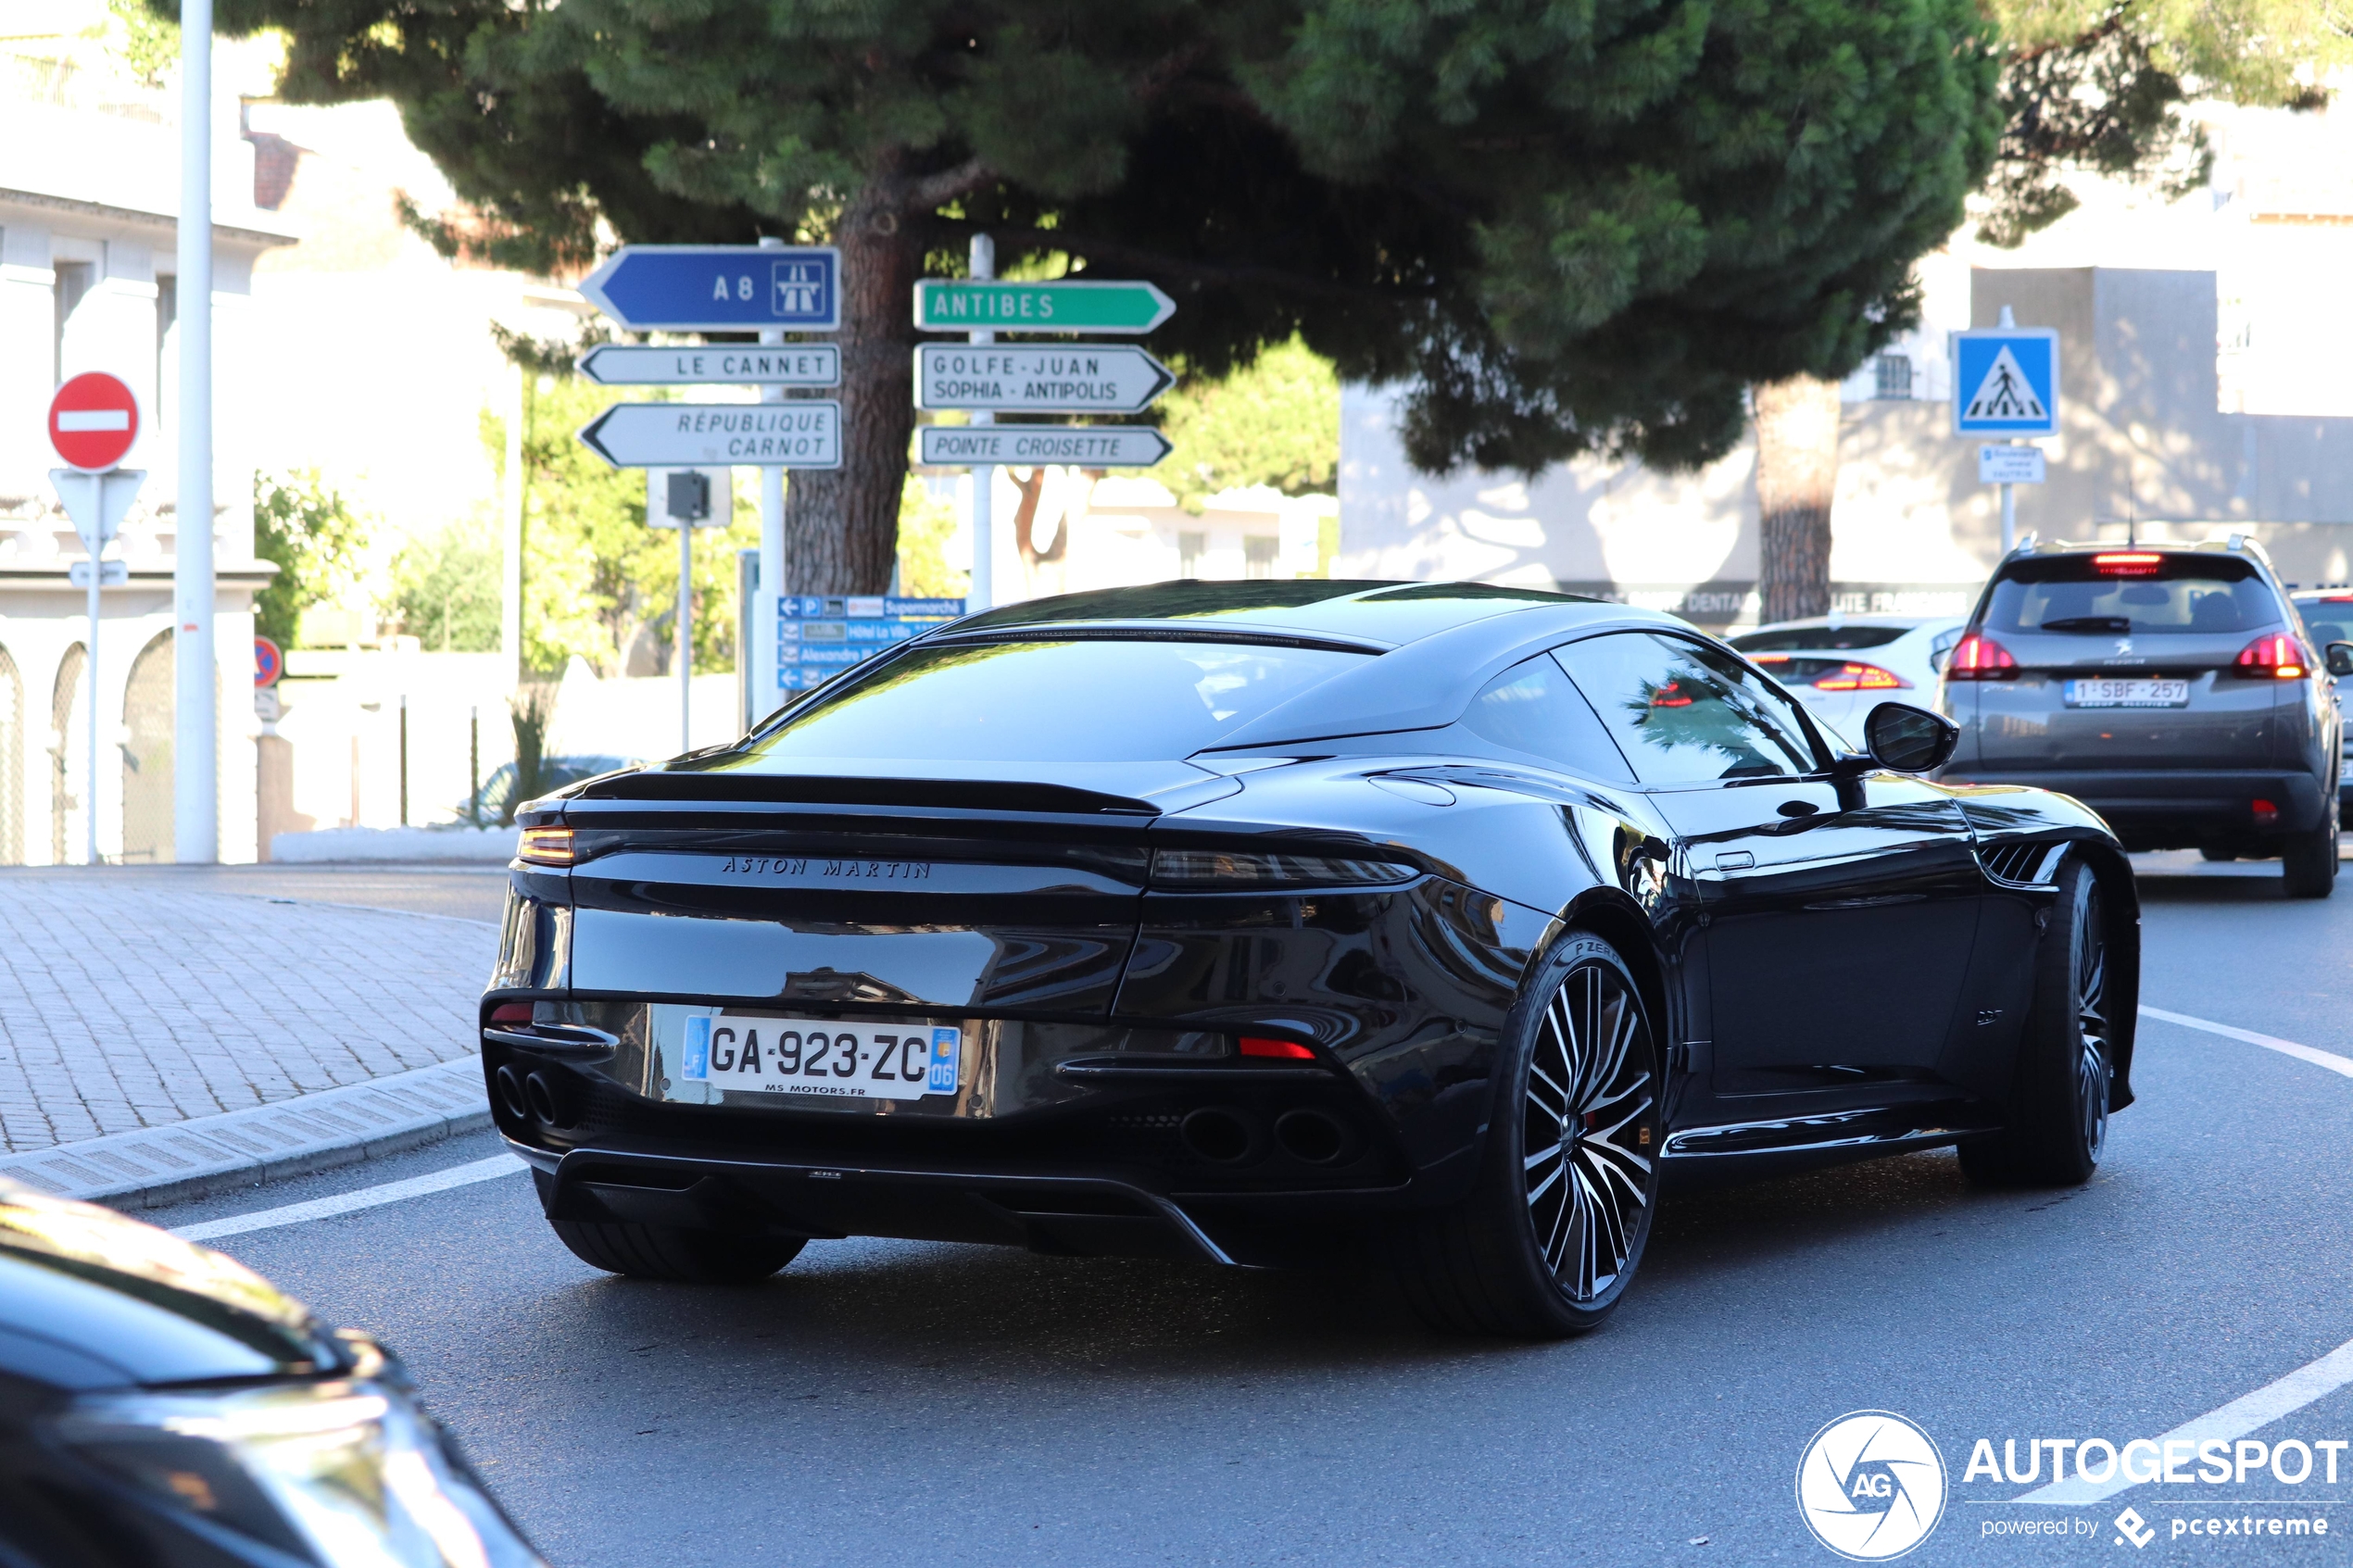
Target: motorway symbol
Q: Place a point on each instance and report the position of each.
(803, 434)
(964, 305)
(2006, 382)
(94, 419)
(1078, 378)
(791, 364)
(1086, 446)
(719, 288)
(267, 662)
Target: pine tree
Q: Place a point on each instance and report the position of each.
(1565, 228)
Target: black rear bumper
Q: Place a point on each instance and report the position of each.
(2175, 809)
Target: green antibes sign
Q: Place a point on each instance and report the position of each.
(953, 306)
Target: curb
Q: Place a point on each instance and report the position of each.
(242, 1149)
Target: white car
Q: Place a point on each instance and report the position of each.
(1842, 667)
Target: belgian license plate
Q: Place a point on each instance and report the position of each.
(2128, 693)
(812, 1056)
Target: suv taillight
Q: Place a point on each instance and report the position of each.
(2274, 655)
(1979, 657)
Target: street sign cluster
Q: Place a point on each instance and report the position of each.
(820, 636)
(987, 377)
(2005, 384)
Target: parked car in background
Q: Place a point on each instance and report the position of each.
(2170, 689)
(494, 801)
(163, 1407)
(1842, 667)
(2328, 618)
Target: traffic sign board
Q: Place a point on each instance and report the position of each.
(719, 288)
(97, 502)
(965, 305)
(802, 433)
(111, 573)
(94, 419)
(2009, 465)
(1086, 446)
(792, 364)
(1080, 378)
(267, 662)
(2006, 382)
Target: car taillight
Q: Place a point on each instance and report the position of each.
(1278, 1050)
(2136, 563)
(2273, 655)
(1979, 657)
(545, 847)
(1860, 678)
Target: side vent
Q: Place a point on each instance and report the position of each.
(2020, 865)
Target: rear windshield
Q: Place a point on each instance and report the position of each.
(1787, 638)
(2176, 594)
(2328, 617)
(1084, 700)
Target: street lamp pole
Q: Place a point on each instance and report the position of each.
(196, 801)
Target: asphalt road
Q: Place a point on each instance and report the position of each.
(883, 1403)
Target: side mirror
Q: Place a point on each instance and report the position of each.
(1905, 739)
(2340, 658)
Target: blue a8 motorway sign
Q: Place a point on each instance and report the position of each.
(719, 288)
(2006, 382)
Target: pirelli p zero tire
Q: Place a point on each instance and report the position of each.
(1552, 1231)
(2307, 862)
(667, 1252)
(2059, 1096)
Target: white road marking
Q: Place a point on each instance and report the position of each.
(2329, 1060)
(2251, 1412)
(345, 1202)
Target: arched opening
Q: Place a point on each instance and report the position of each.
(11, 762)
(69, 751)
(146, 754)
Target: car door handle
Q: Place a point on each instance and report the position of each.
(1735, 860)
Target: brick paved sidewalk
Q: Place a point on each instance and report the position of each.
(123, 1008)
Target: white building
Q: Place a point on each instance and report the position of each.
(89, 202)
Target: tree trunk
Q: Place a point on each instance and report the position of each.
(1796, 476)
(842, 525)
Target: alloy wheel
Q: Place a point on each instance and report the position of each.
(2093, 1065)
(1589, 1127)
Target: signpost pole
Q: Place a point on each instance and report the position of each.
(983, 594)
(96, 482)
(772, 553)
(2009, 517)
(196, 804)
(686, 633)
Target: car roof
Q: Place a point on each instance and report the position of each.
(1375, 614)
(1823, 622)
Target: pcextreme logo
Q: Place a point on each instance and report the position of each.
(1870, 1485)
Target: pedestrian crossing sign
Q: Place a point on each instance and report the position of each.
(2006, 382)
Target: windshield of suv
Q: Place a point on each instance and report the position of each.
(2146, 592)
(1081, 700)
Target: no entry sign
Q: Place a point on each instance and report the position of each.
(92, 420)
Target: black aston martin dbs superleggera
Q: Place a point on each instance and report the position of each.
(1247, 921)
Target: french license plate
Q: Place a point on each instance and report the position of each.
(812, 1056)
(2128, 693)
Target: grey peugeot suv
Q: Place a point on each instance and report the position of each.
(2170, 689)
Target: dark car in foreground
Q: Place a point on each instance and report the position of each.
(163, 1407)
(2170, 689)
(1259, 922)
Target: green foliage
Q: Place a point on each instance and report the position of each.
(596, 581)
(1275, 422)
(445, 589)
(319, 543)
(2098, 87)
(925, 524)
(147, 44)
(1568, 228)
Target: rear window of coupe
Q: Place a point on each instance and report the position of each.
(1066, 701)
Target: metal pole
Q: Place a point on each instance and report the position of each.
(511, 551)
(404, 760)
(685, 632)
(2009, 519)
(195, 803)
(984, 576)
(90, 673)
(764, 688)
(474, 765)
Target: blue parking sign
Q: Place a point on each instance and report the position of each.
(2006, 382)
